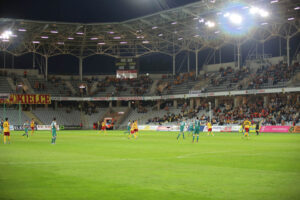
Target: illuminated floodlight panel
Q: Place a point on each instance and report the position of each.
(236, 20)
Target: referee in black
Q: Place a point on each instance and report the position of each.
(257, 128)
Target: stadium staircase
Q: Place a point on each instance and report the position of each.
(3, 85)
(84, 120)
(31, 115)
(153, 87)
(70, 86)
(11, 83)
(28, 85)
(122, 118)
(93, 87)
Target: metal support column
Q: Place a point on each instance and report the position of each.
(174, 64)
(33, 60)
(46, 67)
(80, 68)
(280, 54)
(188, 61)
(239, 55)
(196, 54)
(288, 50)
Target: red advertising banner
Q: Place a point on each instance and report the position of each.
(28, 99)
(275, 129)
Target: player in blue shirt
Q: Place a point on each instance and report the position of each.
(182, 125)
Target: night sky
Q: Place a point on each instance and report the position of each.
(106, 11)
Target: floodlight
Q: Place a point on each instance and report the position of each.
(254, 10)
(235, 18)
(70, 38)
(6, 35)
(94, 38)
(44, 37)
(201, 20)
(274, 1)
(291, 18)
(263, 13)
(101, 43)
(22, 30)
(145, 42)
(123, 42)
(54, 32)
(210, 24)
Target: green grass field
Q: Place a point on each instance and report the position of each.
(86, 165)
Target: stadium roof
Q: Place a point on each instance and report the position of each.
(169, 32)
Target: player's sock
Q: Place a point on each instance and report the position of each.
(183, 135)
(54, 140)
(8, 139)
(134, 136)
(4, 139)
(129, 136)
(193, 138)
(178, 136)
(197, 138)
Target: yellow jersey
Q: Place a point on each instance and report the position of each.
(247, 124)
(209, 125)
(32, 124)
(103, 124)
(6, 126)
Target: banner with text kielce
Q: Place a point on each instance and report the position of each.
(27, 99)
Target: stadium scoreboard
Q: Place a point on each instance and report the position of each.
(126, 68)
(126, 63)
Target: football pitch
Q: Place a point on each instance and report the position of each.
(87, 165)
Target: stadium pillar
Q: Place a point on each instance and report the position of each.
(158, 105)
(110, 104)
(80, 68)
(118, 103)
(129, 104)
(46, 66)
(197, 102)
(288, 50)
(196, 52)
(174, 64)
(216, 102)
(266, 101)
(192, 103)
(236, 101)
(188, 61)
(175, 103)
(55, 105)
